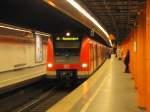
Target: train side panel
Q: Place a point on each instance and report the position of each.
(85, 59)
(50, 59)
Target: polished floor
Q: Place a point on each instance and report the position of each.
(116, 94)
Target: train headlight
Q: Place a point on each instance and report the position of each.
(84, 65)
(50, 65)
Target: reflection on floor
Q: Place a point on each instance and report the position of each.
(117, 94)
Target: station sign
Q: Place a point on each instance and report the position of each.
(67, 38)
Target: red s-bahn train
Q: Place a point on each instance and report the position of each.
(74, 56)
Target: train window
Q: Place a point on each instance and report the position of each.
(67, 44)
(67, 48)
(67, 51)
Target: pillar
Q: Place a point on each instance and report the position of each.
(141, 75)
(135, 56)
(148, 52)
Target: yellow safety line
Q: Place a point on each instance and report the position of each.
(85, 107)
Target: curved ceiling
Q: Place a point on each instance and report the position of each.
(117, 16)
(37, 15)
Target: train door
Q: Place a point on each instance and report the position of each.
(101, 53)
(92, 58)
(96, 55)
(98, 51)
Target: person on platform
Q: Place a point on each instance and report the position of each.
(126, 61)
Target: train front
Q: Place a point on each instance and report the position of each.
(64, 57)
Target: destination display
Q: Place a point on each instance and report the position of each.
(67, 38)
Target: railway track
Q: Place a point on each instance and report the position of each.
(11, 100)
(42, 107)
(37, 97)
(28, 106)
(43, 102)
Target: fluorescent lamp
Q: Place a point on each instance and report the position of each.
(40, 33)
(17, 29)
(85, 13)
(110, 42)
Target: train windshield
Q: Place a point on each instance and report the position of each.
(67, 47)
(67, 50)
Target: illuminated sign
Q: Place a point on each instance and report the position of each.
(67, 38)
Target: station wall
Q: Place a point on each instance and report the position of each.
(138, 43)
(18, 59)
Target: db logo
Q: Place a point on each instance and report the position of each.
(66, 66)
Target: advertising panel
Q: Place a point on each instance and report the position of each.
(39, 49)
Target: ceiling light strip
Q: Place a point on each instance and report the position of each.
(17, 29)
(110, 42)
(85, 13)
(44, 34)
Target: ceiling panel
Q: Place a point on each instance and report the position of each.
(117, 16)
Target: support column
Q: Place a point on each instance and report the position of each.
(148, 52)
(141, 79)
(135, 57)
(131, 54)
